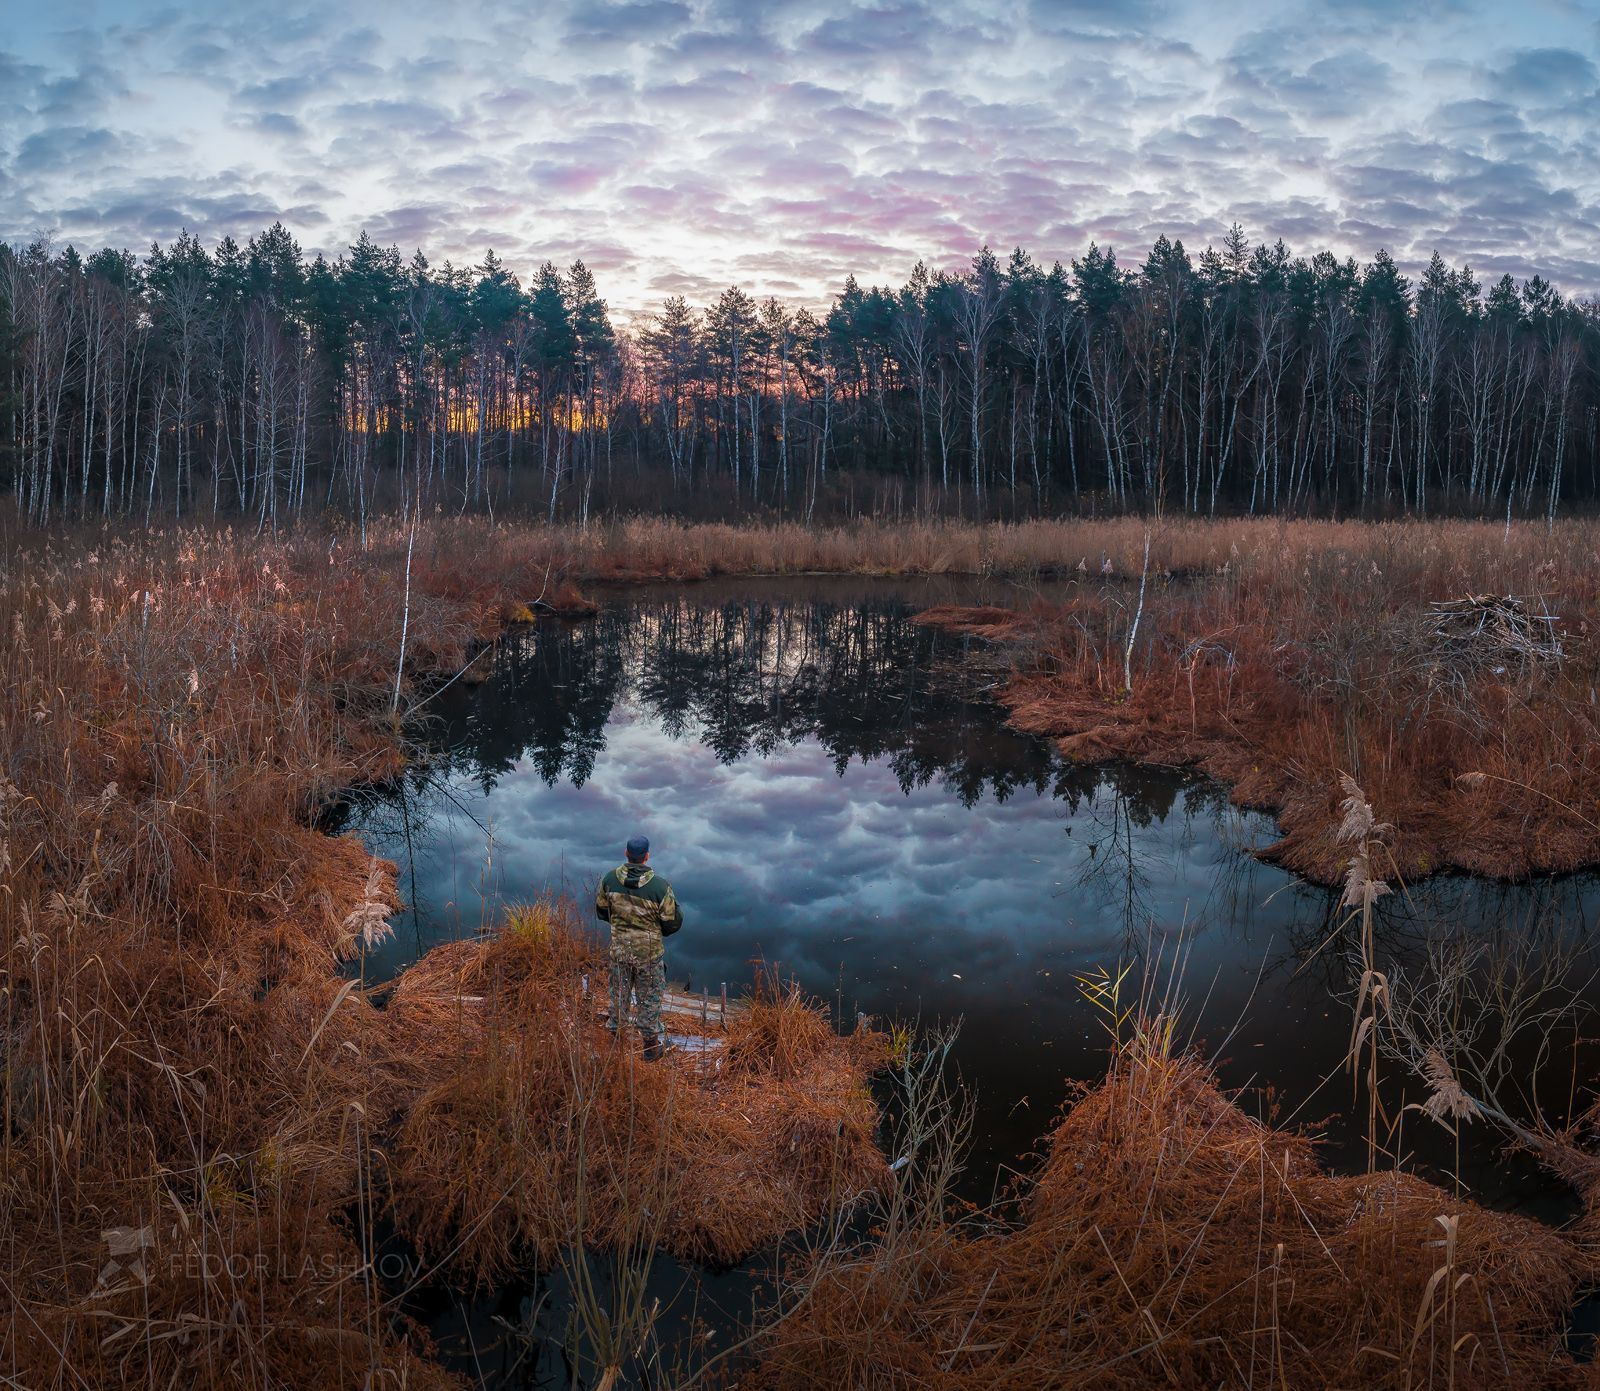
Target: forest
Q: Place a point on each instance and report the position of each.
(254, 381)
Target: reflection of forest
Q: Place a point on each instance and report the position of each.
(862, 680)
(754, 677)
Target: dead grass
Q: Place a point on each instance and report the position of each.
(649, 548)
(1171, 1240)
(1277, 656)
(541, 1130)
(189, 1086)
(188, 1083)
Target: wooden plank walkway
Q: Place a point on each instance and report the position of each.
(695, 1025)
(710, 1011)
(714, 1010)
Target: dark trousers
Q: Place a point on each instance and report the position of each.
(641, 981)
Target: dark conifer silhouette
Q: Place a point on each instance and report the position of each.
(244, 380)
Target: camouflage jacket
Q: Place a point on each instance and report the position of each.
(640, 906)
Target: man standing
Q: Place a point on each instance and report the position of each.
(640, 906)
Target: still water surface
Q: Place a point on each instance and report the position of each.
(830, 787)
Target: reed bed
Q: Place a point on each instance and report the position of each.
(656, 547)
(661, 548)
(195, 1102)
(188, 1083)
(1172, 1240)
(1279, 656)
(533, 1129)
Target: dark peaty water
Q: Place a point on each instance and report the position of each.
(830, 787)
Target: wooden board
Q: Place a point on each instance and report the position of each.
(712, 1011)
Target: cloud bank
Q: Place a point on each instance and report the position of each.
(678, 146)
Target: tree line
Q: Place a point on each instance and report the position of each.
(251, 380)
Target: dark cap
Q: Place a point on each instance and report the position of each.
(638, 848)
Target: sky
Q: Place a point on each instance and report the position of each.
(679, 146)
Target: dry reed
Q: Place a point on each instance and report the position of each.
(195, 1103)
(1171, 1240)
(534, 1128)
(1278, 655)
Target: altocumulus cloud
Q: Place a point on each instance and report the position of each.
(680, 145)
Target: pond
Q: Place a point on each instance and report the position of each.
(832, 789)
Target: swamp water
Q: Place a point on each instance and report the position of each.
(831, 788)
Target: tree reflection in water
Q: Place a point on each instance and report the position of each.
(749, 679)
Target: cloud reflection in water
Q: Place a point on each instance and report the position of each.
(828, 787)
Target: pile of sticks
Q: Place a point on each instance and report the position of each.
(1492, 631)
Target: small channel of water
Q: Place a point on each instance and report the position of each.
(832, 788)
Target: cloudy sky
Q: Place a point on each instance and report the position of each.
(680, 145)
